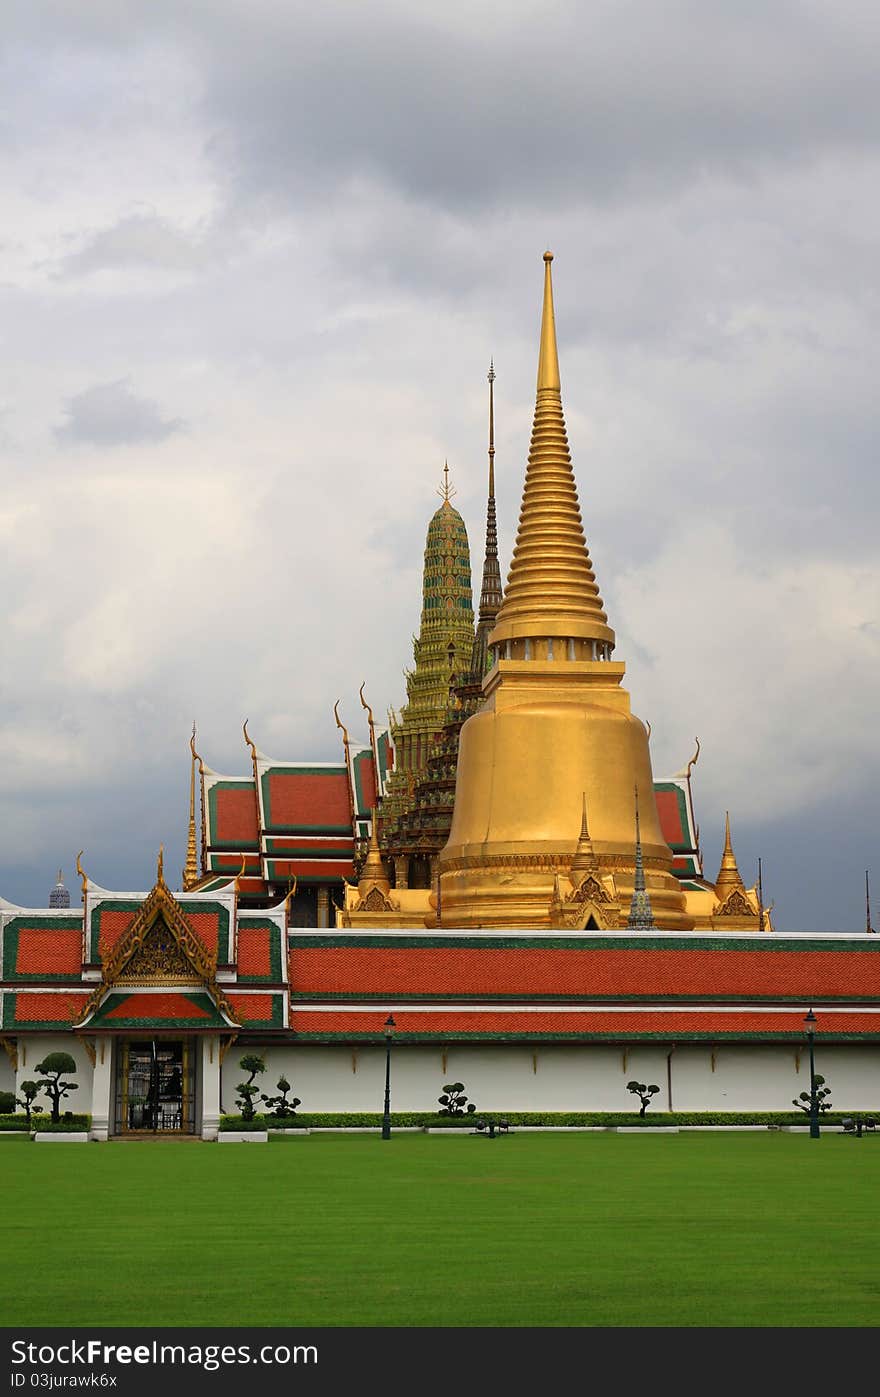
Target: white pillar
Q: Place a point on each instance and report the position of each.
(102, 1088)
(210, 1086)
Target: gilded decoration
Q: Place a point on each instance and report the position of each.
(10, 1047)
(157, 958)
(736, 905)
(376, 901)
(159, 946)
(591, 901)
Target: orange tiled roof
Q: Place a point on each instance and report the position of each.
(633, 971)
(509, 1022)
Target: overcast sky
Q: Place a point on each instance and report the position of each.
(254, 258)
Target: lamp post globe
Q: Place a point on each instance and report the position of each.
(386, 1114)
(810, 1030)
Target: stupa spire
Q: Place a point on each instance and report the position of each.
(373, 873)
(728, 874)
(551, 588)
(548, 355)
(641, 915)
(584, 855)
(490, 591)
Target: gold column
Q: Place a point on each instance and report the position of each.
(323, 905)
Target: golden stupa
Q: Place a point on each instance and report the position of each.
(556, 727)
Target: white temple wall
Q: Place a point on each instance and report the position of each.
(7, 1072)
(563, 1077)
(32, 1048)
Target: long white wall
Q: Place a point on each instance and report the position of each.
(557, 1077)
(548, 1077)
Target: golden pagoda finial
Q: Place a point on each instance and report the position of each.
(728, 874)
(548, 358)
(446, 491)
(551, 587)
(160, 866)
(584, 860)
(191, 871)
(373, 873)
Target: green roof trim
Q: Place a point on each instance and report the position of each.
(669, 941)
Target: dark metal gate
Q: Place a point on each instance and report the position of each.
(155, 1087)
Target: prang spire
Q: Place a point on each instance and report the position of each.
(490, 591)
(551, 589)
(641, 915)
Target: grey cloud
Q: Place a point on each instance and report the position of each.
(139, 240)
(110, 414)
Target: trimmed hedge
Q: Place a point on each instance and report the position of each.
(429, 1118)
(7, 1103)
(44, 1122)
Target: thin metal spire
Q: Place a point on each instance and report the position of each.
(491, 595)
(641, 913)
(868, 928)
(191, 871)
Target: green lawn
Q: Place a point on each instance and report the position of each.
(582, 1229)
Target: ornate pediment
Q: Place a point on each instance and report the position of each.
(735, 905)
(591, 905)
(376, 901)
(158, 959)
(159, 947)
(590, 890)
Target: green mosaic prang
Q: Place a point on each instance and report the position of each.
(10, 949)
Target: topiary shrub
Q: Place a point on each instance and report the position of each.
(453, 1102)
(29, 1090)
(279, 1105)
(823, 1097)
(7, 1103)
(643, 1093)
(54, 1067)
(247, 1091)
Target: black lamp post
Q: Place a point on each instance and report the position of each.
(810, 1030)
(386, 1116)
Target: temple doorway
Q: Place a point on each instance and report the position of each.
(155, 1087)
